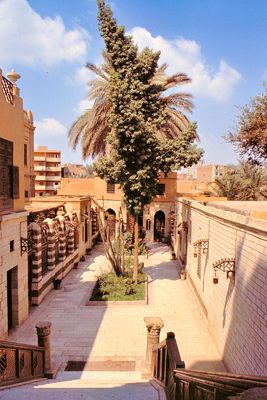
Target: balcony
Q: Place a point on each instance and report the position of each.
(55, 169)
(40, 187)
(52, 187)
(39, 168)
(53, 159)
(53, 178)
(39, 158)
(40, 178)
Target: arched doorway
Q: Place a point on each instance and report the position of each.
(110, 218)
(159, 226)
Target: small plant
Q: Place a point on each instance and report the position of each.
(114, 288)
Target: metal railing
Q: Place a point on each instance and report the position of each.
(185, 384)
(20, 362)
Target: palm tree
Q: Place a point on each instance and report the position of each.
(246, 182)
(92, 126)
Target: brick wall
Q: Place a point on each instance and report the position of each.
(236, 309)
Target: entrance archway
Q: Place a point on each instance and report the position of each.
(110, 218)
(159, 226)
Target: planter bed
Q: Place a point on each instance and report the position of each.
(129, 301)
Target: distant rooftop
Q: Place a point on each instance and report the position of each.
(256, 209)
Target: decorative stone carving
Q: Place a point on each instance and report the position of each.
(43, 332)
(153, 325)
(43, 328)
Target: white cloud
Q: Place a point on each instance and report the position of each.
(83, 106)
(184, 55)
(49, 128)
(83, 75)
(30, 39)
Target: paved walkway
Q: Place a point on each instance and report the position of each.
(80, 332)
(116, 332)
(74, 386)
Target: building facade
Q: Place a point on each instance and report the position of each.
(156, 220)
(207, 173)
(222, 246)
(47, 169)
(16, 178)
(60, 233)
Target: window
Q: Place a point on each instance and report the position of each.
(26, 194)
(15, 181)
(6, 162)
(12, 245)
(25, 154)
(110, 187)
(161, 188)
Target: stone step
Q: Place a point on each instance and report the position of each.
(101, 365)
(89, 385)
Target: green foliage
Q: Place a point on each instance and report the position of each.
(128, 239)
(250, 136)
(247, 182)
(113, 288)
(137, 111)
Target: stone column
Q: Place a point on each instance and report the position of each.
(153, 325)
(51, 258)
(36, 261)
(62, 239)
(43, 331)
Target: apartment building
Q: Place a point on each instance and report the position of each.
(207, 173)
(16, 180)
(47, 169)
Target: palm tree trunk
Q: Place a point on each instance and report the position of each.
(136, 240)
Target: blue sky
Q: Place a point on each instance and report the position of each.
(220, 44)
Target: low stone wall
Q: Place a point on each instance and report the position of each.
(235, 304)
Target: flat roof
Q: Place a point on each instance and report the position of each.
(256, 209)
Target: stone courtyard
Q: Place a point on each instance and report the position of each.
(101, 334)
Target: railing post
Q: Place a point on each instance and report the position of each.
(153, 325)
(43, 332)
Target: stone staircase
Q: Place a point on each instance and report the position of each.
(86, 385)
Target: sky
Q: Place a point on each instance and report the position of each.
(220, 44)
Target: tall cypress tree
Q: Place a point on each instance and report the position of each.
(137, 112)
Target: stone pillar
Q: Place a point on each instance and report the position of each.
(153, 325)
(51, 254)
(62, 239)
(43, 332)
(36, 261)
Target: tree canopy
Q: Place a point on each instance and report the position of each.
(250, 135)
(245, 182)
(93, 126)
(136, 114)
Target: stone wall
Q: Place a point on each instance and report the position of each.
(236, 306)
(13, 263)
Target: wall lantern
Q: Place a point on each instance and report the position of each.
(201, 244)
(226, 265)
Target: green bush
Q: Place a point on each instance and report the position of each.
(115, 288)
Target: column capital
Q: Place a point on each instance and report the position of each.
(43, 328)
(153, 325)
